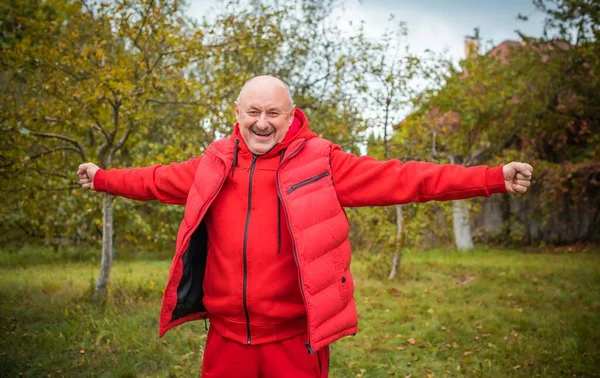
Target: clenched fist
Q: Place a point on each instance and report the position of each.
(517, 176)
(86, 173)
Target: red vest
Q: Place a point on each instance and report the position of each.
(318, 226)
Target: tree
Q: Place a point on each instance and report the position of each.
(389, 70)
(532, 98)
(135, 83)
(90, 78)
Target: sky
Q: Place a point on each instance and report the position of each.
(437, 25)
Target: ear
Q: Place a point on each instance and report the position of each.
(237, 110)
(291, 115)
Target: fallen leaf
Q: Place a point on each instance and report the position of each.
(411, 341)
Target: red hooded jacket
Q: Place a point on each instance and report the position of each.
(251, 292)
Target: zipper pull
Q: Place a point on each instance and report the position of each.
(254, 157)
(310, 350)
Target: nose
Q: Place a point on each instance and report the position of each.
(262, 121)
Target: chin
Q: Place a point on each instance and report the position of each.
(260, 148)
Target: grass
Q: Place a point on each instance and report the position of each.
(480, 314)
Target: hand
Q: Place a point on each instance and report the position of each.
(517, 176)
(86, 173)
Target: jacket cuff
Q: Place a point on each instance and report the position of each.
(100, 181)
(494, 179)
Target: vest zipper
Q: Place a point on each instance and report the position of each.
(307, 181)
(235, 154)
(245, 287)
(307, 344)
(186, 238)
(279, 209)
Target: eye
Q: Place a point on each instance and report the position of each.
(273, 114)
(253, 113)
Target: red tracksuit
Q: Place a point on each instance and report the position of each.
(258, 312)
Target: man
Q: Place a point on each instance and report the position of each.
(263, 249)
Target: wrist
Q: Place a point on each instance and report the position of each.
(494, 178)
(100, 181)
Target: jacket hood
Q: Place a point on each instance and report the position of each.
(298, 130)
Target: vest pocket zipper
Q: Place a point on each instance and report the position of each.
(307, 181)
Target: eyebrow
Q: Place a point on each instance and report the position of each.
(273, 108)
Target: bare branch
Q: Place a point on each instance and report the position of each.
(120, 143)
(43, 188)
(475, 156)
(434, 151)
(98, 124)
(123, 138)
(63, 148)
(195, 103)
(158, 59)
(139, 33)
(87, 7)
(49, 173)
(78, 146)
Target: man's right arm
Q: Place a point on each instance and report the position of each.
(166, 183)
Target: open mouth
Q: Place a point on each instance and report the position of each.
(262, 134)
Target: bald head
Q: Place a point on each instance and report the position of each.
(264, 111)
(265, 84)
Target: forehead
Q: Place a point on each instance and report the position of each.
(264, 96)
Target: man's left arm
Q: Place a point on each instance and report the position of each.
(365, 181)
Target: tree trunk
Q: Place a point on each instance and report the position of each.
(399, 230)
(107, 246)
(462, 228)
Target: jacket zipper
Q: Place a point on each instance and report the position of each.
(245, 288)
(307, 181)
(308, 344)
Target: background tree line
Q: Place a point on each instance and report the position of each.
(134, 83)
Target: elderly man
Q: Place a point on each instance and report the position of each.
(263, 249)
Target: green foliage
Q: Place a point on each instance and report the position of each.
(137, 83)
(86, 83)
(533, 101)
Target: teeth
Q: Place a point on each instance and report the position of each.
(262, 134)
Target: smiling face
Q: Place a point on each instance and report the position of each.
(264, 113)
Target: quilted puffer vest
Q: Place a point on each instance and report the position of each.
(318, 226)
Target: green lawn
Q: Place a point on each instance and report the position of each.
(481, 314)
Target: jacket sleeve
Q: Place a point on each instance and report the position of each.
(166, 183)
(365, 181)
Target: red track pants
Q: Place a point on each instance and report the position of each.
(224, 358)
